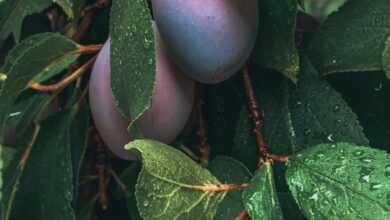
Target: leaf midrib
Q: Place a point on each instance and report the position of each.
(315, 172)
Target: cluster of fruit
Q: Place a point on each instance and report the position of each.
(195, 40)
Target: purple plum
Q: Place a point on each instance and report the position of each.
(172, 102)
(209, 40)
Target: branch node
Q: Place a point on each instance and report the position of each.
(256, 114)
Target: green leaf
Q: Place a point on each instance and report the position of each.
(296, 117)
(300, 116)
(165, 184)
(25, 110)
(26, 60)
(129, 178)
(132, 58)
(7, 154)
(67, 6)
(55, 68)
(341, 181)
(79, 131)
(353, 38)
(386, 58)
(225, 106)
(13, 12)
(275, 47)
(261, 198)
(322, 8)
(230, 171)
(46, 189)
(373, 113)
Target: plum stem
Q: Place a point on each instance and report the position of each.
(101, 171)
(65, 81)
(98, 4)
(29, 146)
(256, 115)
(204, 147)
(81, 98)
(22, 164)
(121, 185)
(88, 49)
(243, 215)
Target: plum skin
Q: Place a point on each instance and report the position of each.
(210, 40)
(172, 103)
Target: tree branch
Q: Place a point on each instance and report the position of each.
(257, 117)
(204, 147)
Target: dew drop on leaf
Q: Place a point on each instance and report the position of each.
(375, 186)
(387, 170)
(330, 138)
(358, 153)
(320, 155)
(365, 179)
(366, 159)
(314, 197)
(307, 131)
(379, 87)
(388, 198)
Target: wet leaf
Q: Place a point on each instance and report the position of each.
(300, 116)
(13, 12)
(67, 6)
(374, 89)
(261, 198)
(7, 155)
(386, 58)
(230, 171)
(353, 38)
(26, 61)
(308, 114)
(164, 188)
(225, 106)
(49, 168)
(275, 47)
(132, 58)
(24, 111)
(341, 181)
(322, 8)
(78, 136)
